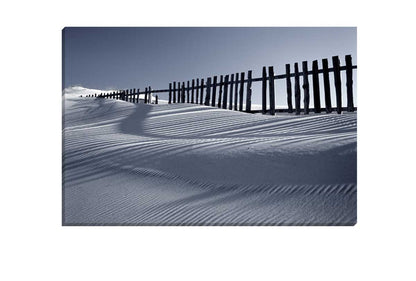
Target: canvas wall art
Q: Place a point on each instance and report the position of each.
(192, 126)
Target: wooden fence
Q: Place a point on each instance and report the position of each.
(231, 89)
(129, 95)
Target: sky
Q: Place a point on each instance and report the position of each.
(136, 57)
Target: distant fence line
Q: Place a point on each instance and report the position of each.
(231, 89)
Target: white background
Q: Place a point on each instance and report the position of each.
(34, 245)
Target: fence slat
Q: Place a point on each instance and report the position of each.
(170, 93)
(220, 93)
(193, 91)
(305, 87)
(187, 92)
(264, 91)
(174, 92)
(183, 93)
(327, 88)
(316, 92)
(248, 92)
(337, 80)
(236, 92)
(214, 91)
(289, 90)
(197, 91)
(202, 92)
(241, 93)
(348, 64)
(297, 89)
(208, 95)
(230, 106)
(271, 91)
(224, 99)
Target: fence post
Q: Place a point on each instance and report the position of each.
(187, 92)
(350, 102)
(327, 88)
(264, 91)
(297, 89)
(138, 95)
(271, 91)
(214, 91)
(248, 93)
(174, 92)
(220, 93)
(208, 95)
(305, 87)
(170, 93)
(337, 80)
(289, 90)
(197, 91)
(316, 92)
(202, 92)
(157, 98)
(224, 99)
(192, 91)
(241, 93)
(183, 93)
(230, 107)
(145, 95)
(236, 92)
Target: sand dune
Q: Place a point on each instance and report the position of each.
(184, 164)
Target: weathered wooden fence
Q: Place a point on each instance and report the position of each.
(231, 90)
(129, 95)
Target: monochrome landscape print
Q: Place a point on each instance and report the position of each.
(209, 126)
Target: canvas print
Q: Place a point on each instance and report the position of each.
(234, 126)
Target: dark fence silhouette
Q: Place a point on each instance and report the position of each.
(231, 89)
(129, 95)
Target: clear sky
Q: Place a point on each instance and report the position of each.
(130, 57)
